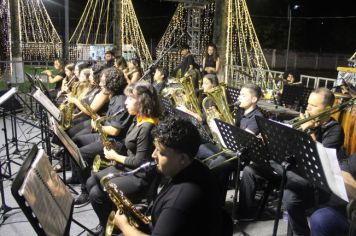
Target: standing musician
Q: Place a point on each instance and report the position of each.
(115, 127)
(211, 60)
(187, 205)
(109, 59)
(58, 65)
(142, 102)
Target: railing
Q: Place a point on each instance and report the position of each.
(317, 82)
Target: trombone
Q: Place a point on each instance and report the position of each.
(297, 122)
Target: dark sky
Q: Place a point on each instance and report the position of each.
(317, 25)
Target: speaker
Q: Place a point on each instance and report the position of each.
(11, 104)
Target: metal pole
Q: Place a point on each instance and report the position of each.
(288, 40)
(66, 31)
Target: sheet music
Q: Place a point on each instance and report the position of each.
(332, 171)
(47, 196)
(46, 102)
(68, 143)
(7, 95)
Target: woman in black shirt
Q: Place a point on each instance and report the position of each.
(142, 102)
(188, 204)
(211, 60)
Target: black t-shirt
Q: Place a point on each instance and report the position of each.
(121, 119)
(331, 135)
(188, 204)
(186, 63)
(62, 74)
(248, 121)
(159, 87)
(210, 62)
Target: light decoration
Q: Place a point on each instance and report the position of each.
(4, 34)
(185, 21)
(95, 29)
(243, 49)
(40, 40)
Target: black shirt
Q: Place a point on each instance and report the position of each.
(159, 86)
(188, 205)
(331, 135)
(121, 119)
(62, 74)
(349, 165)
(186, 63)
(210, 62)
(248, 121)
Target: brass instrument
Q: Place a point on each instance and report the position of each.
(98, 163)
(123, 204)
(191, 100)
(67, 109)
(222, 111)
(298, 122)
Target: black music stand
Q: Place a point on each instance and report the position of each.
(167, 106)
(248, 146)
(41, 194)
(292, 148)
(295, 96)
(232, 94)
(71, 148)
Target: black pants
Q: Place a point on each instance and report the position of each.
(132, 186)
(254, 177)
(80, 128)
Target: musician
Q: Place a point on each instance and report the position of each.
(116, 127)
(121, 64)
(299, 195)
(332, 220)
(160, 79)
(187, 205)
(109, 59)
(187, 63)
(211, 60)
(67, 82)
(135, 72)
(142, 102)
(58, 65)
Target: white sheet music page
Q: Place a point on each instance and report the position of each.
(46, 102)
(332, 171)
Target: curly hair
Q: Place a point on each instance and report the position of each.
(147, 98)
(179, 134)
(115, 81)
(97, 72)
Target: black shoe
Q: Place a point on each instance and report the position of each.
(98, 231)
(72, 180)
(82, 199)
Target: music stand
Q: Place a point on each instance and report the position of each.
(290, 147)
(71, 148)
(167, 106)
(40, 194)
(295, 96)
(232, 94)
(248, 145)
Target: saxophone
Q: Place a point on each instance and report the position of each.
(67, 109)
(135, 217)
(98, 163)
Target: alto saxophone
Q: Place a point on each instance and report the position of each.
(135, 217)
(98, 163)
(67, 110)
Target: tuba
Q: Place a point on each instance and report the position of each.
(220, 110)
(191, 100)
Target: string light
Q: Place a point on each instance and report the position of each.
(98, 15)
(4, 34)
(40, 40)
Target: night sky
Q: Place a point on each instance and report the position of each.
(317, 25)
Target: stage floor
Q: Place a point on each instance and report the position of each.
(17, 224)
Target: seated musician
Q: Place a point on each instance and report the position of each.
(160, 79)
(98, 103)
(299, 194)
(121, 64)
(115, 126)
(142, 102)
(67, 82)
(187, 205)
(332, 220)
(135, 71)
